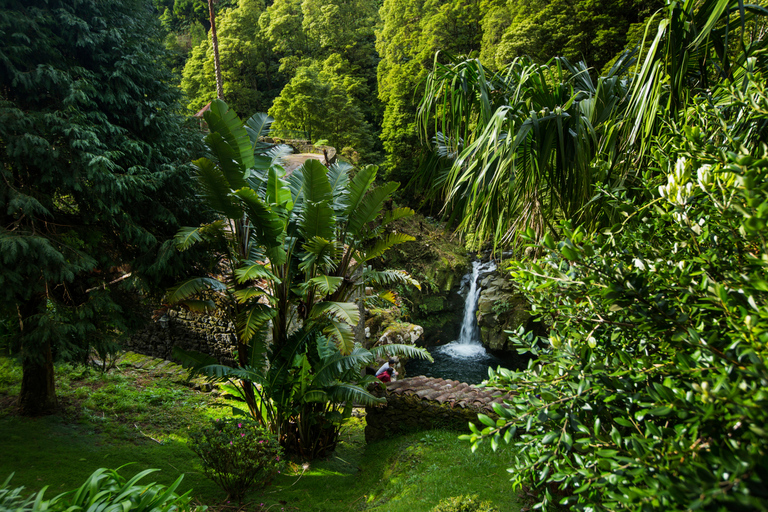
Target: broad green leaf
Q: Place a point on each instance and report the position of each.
(327, 284)
(343, 311)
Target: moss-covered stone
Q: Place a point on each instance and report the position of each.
(438, 262)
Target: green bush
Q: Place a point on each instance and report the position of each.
(105, 490)
(464, 503)
(650, 392)
(236, 454)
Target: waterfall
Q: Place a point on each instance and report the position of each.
(468, 344)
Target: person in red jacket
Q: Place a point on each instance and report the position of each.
(386, 375)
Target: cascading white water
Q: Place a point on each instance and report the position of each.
(469, 345)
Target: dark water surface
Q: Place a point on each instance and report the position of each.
(462, 362)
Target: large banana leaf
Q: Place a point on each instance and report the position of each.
(352, 393)
(278, 192)
(192, 287)
(245, 295)
(224, 121)
(317, 220)
(358, 187)
(266, 224)
(370, 207)
(255, 271)
(332, 368)
(256, 126)
(321, 253)
(216, 189)
(201, 364)
(227, 160)
(316, 186)
(326, 284)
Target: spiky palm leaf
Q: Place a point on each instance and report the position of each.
(400, 350)
(390, 277)
(193, 287)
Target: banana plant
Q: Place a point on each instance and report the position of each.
(295, 252)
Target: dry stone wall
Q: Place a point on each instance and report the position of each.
(190, 331)
(422, 403)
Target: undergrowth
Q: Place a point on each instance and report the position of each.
(145, 417)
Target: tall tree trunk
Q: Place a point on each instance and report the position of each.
(38, 388)
(216, 62)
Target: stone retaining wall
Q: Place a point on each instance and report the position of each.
(423, 403)
(190, 331)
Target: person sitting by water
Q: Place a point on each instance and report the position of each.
(386, 375)
(388, 364)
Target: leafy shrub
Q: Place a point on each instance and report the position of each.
(464, 503)
(236, 454)
(650, 393)
(104, 490)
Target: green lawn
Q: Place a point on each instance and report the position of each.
(143, 416)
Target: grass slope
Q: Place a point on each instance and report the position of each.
(142, 411)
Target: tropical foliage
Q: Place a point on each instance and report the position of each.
(527, 146)
(105, 489)
(296, 252)
(649, 392)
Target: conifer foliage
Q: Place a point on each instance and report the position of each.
(90, 186)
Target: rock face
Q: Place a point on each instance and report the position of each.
(500, 308)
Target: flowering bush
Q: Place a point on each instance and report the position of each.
(237, 454)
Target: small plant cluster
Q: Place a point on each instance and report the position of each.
(104, 490)
(464, 503)
(237, 454)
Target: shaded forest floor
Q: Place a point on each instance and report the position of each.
(141, 414)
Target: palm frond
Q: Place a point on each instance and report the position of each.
(401, 350)
(343, 311)
(384, 244)
(390, 277)
(252, 319)
(326, 284)
(192, 287)
(255, 271)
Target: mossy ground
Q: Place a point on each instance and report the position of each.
(141, 414)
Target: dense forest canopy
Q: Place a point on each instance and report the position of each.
(351, 72)
(617, 150)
